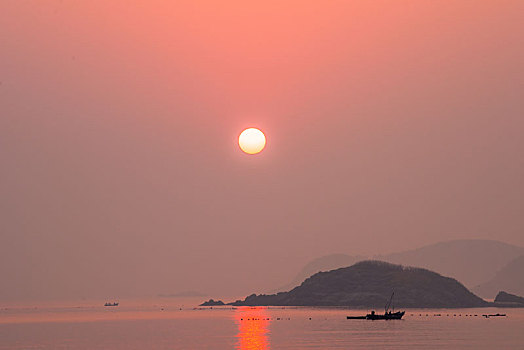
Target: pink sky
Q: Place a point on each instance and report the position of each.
(390, 124)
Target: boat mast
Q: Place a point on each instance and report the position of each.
(389, 303)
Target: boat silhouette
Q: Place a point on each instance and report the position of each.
(388, 315)
(111, 304)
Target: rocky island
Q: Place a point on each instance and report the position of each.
(212, 302)
(508, 299)
(369, 284)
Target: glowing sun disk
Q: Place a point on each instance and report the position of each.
(252, 141)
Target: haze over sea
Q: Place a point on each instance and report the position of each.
(225, 148)
(177, 324)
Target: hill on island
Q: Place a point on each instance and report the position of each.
(504, 297)
(369, 284)
(510, 279)
(324, 263)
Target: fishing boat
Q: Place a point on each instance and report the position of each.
(494, 315)
(388, 315)
(111, 304)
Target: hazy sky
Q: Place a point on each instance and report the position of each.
(390, 125)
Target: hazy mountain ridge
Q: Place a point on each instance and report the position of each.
(369, 284)
(471, 262)
(509, 278)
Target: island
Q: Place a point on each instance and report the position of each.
(507, 299)
(369, 284)
(212, 302)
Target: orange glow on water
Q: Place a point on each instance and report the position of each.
(253, 328)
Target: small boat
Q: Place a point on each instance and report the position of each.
(494, 315)
(388, 315)
(111, 304)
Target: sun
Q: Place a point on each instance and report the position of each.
(252, 141)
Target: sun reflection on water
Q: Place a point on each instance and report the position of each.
(253, 328)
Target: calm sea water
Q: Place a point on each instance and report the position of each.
(162, 324)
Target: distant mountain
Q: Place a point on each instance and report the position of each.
(472, 262)
(369, 284)
(324, 263)
(509, 278)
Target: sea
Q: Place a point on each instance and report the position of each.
(172, 323)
